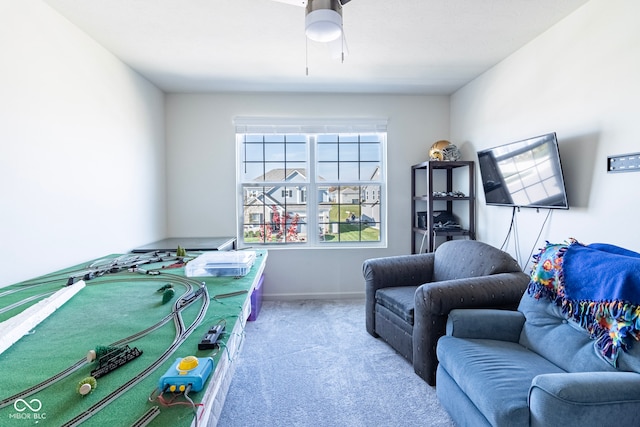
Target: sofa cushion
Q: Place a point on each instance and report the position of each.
(561, 341)
(495, 375)
(399, 300)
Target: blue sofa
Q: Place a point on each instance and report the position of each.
(549, 363)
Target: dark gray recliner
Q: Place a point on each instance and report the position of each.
(408, 297)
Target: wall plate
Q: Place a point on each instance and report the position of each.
(624, 163)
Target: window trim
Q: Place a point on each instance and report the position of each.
(312, 128)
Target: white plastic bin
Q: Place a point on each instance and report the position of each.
(221, 263)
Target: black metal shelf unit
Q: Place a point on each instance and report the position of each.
(440, 197)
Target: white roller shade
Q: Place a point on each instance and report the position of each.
(266, 125)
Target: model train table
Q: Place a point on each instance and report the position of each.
(129, 320)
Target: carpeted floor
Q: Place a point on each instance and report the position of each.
(312, 363)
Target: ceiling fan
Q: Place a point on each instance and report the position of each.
(323, 23)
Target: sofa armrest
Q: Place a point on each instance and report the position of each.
(401, 270)
(495, 291)
(502, 325)
(434, 301)
(585, 398)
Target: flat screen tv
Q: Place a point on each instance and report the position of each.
(525, 174)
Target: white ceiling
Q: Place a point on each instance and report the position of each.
(395, 46)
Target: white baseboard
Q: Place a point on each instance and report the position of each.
(318, 296)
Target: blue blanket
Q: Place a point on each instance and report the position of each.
(601, 272)
(597, 285)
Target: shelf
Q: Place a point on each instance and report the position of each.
(441, 177)
(443, 198)
(442, 232)
(438, 164)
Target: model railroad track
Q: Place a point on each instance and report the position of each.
(36, 388)
(25, 301)
(118, 264)
(189, 285)
(33, 283)
(96, 269)
(147, 417)
(71, 369)
(20, 289)
(181, 335)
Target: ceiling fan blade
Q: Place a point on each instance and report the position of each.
(302, 3)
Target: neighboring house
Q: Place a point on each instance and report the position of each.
(349, 196)
(366, 196)
(370, 196)
(262, 204)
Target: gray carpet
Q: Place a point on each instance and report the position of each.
(312, 363)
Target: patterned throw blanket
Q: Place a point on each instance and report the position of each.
(597, 285)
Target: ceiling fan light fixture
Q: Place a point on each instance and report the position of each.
(323, 24)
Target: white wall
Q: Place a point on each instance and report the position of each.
(579, 79)
(201, 176)
(82, 170)
(82, 137)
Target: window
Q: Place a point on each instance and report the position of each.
(310, 185)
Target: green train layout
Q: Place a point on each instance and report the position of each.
(120, 312)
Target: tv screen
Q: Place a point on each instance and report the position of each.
(525, 173)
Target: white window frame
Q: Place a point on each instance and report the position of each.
(312, 128)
